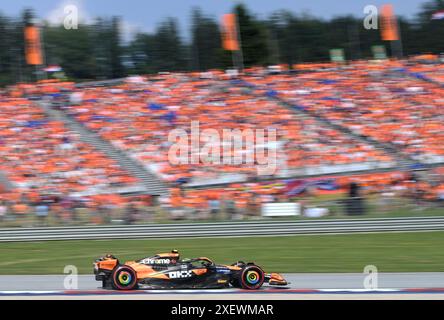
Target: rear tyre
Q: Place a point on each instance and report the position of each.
(235, 280)
(124, 278)
(252, 277)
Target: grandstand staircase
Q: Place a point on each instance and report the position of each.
(150, 183)
(5, 182)
(406, 73)
(409, 74)
(404, 161)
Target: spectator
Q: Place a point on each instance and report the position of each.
(132, 213)
(214, 205)
(253, 207)
(3, 211)
(229, 207)
(41, 211)
(20, 209)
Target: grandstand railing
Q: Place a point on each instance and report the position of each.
(227, 229)
(376, 206)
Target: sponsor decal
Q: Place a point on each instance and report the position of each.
(223, 270)
(155, 261)
(180, 274)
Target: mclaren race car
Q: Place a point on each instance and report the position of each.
(168, 271)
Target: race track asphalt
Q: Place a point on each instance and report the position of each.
(297, 281)
(331, 286)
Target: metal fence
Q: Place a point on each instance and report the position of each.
(374, 206)
(224, 229)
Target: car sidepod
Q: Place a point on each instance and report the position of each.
(187, 277)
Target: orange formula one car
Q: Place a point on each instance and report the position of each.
(168, 271)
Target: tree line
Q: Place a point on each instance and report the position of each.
(96, 50)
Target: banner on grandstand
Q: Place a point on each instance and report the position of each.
(282, 209)
(229, 32)
(337, 55)
(32, 46)
(299, 186)
(438, 15)
(389, 23)
(379, 52)
(53, 68)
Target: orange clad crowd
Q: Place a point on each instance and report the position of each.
(40, 156)
(256, 193)
(138, 120)
(377, 100)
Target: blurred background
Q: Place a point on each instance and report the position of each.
(88, 98)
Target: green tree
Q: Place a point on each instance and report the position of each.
(115, 49)
(9, 51)
(430, 33)
(140, 51)
(206, 42)
(169, 53)
(253, 37)
(72, 49)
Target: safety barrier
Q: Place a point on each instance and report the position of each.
(225, 229)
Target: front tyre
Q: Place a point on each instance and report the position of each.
(252, 277)
(124, 278)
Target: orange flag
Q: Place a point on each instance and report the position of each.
(229, 32)
(389, 24)
(32, 46)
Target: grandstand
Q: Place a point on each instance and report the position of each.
(379, 101)
(365, 121)
(150, 113)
